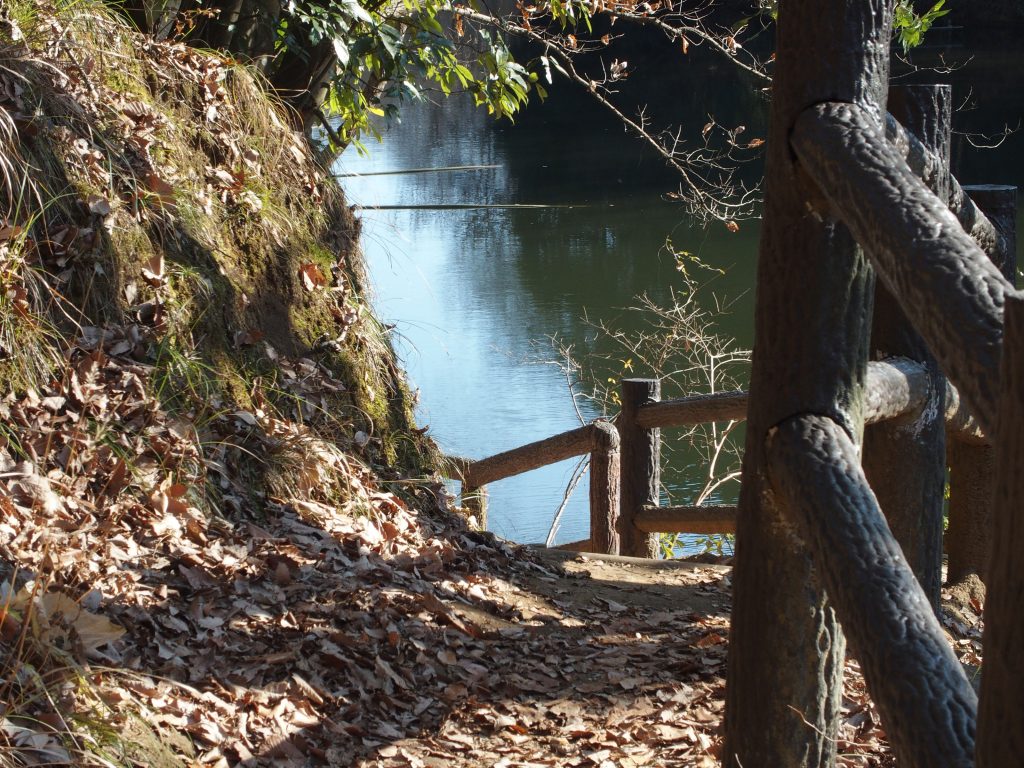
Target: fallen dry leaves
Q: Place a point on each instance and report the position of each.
(363, 633)
(308, 634)
(329, 621)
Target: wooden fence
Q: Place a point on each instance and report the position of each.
(851, 195)
(816, 560)
(599, 439)
(625, 457)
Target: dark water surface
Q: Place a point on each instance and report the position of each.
(475, 293)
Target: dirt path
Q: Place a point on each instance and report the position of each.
(607, 662)
(612, 662)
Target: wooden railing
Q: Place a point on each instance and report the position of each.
(850, 196)
(817, 560)
(600, 439)
(624, 509)
(896, 390)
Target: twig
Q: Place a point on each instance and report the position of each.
(577, 475)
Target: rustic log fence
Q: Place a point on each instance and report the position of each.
(599, 439)
(815, 557)
(852, 195)
(625, 513)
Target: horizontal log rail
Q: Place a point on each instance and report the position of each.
(948, 286)
(696, 409)
(600, 439)
(960, 423)
(708, 518)
(895, 389)
(551, 450)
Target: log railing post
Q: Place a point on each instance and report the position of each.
(812, 320)
(905, 460)
(641, 462)
(1000, 737)
(475, 500)
(604, 489)
(971, 466)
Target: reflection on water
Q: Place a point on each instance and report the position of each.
(473, 291)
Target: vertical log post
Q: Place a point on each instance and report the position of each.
(604, 490)
(905, 460)
(1000, 736)
(641, 467)
(812, 326)
(475, 500)
(972, 467)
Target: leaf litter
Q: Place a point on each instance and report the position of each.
(309, 635)
(336, 622)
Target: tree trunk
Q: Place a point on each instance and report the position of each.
(813, 314)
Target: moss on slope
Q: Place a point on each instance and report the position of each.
(188, 366)
(170, 203)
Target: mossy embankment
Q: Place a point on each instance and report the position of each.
(160, 207)
(188, 362)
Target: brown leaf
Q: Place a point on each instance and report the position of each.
(91, 630)
(118, 479)
(154, 271)
(163, 191)
(248, 338)
(710, 639)
(312, 277)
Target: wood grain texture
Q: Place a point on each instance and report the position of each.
(1000, 735)
(812, 322)
(563, 446)
(948, 287)
(905, 461)
(604, 489)
(972, 465)
(640, 454)
(710, 518)
(924, 163)
(927, 705)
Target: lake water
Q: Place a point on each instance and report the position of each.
(476, 293)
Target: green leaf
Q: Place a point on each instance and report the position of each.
(357, 11)
(390, 39)
(341, 51)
